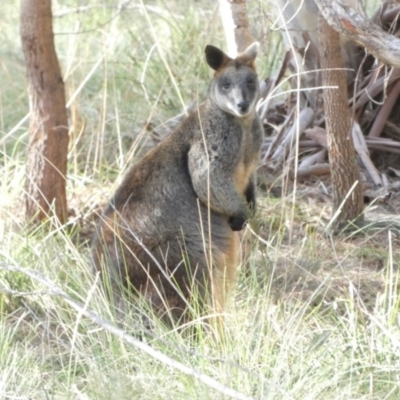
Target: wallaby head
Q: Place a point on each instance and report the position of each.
(235, 87)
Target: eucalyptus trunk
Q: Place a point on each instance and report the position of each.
(48, 130)
(346, 181)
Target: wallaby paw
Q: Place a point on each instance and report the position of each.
(237, 223)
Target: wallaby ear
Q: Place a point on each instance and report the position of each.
(215, 57)
(251, 52)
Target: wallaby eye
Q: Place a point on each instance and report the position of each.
(251, 84)
(226, 85)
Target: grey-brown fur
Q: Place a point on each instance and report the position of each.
(155, 233)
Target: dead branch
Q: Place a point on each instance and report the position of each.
(355, 26)
(384, 148)
(270, 84)
(304, 120)
(312, 159)
(371, 141)
(392, 128)
(362, 151)
(278, 138)
(314, 170)
(317, 134)
(385, 111)
(375, 88)
(376, 93)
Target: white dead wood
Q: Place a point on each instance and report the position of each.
(277, 140)
(297, 21)
(371, 141)
(314, 170)
(385, 180)
(269, 86)
(236, 25)
(352, 23)
(313, 159)
(362, 151)
(392, 128)
(305, 119)
(365, 96)
(384, 148)
(318, 134)
(83, 310)
(385, 111)
(306, 144)
(395, 171)
(229, 27)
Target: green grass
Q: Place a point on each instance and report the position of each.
(312, 317)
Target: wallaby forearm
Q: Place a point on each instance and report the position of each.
(221, 196)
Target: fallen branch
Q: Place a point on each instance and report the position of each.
(312, 159)
(276, 141)
(318, 135)
(365, 95)
(314, 170)
(355, 26)
(305, 118)
(385, 111)
(362, 151)
(383, 141)
(384, 148)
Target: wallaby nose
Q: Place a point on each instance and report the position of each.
(243, 106)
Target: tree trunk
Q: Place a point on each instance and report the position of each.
(236, 25)
(48, 131)
(342, 156)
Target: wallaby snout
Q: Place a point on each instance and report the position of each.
(243, 106)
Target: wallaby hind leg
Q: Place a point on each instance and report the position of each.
(225, 264)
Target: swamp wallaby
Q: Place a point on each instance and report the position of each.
(169, 231)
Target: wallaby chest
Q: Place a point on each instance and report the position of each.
(249, 152)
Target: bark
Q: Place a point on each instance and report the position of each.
(342, 156)
(356, 26)
(48, 130)
(236, 25)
